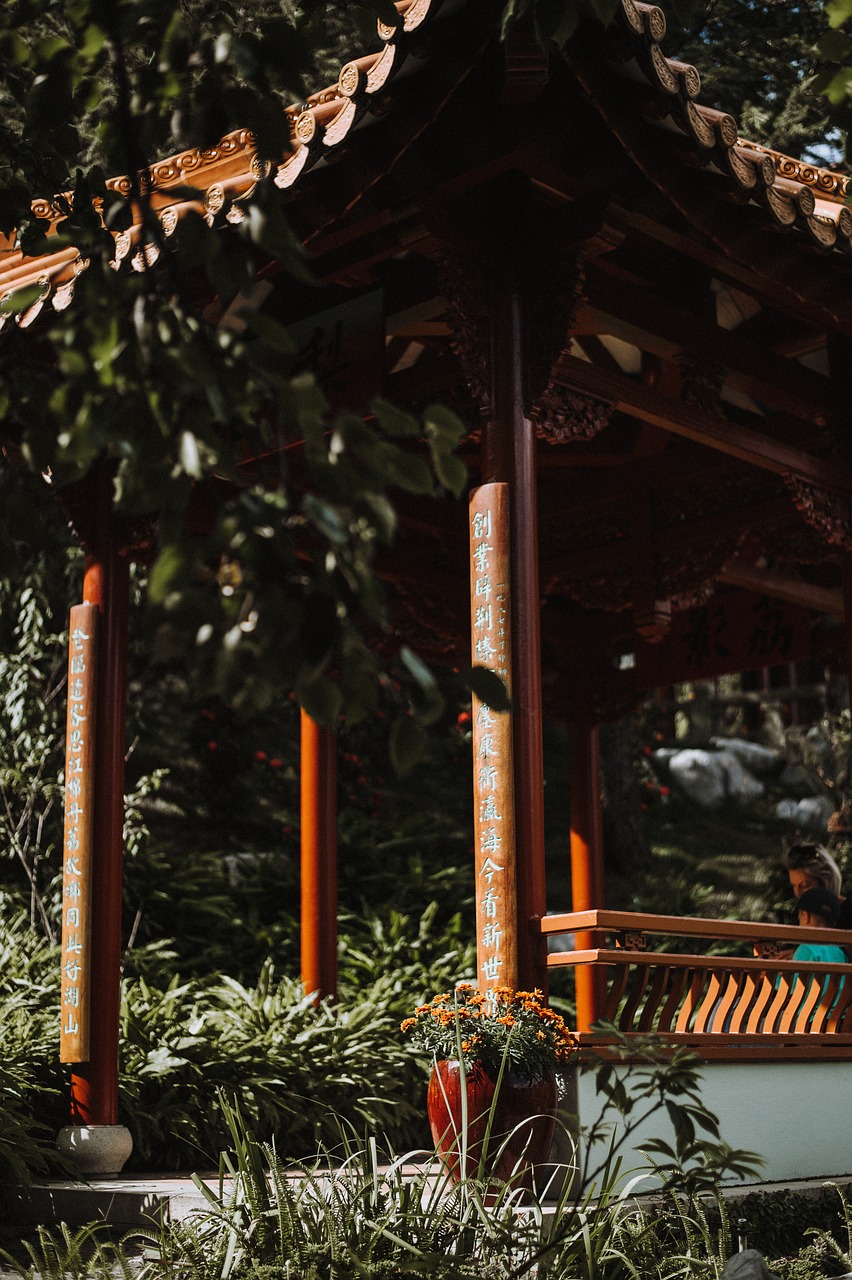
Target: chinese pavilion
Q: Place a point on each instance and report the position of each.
(646, 321)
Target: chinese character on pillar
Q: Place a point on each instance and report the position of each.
(494, 800)
(77, 853)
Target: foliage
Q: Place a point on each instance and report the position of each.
(351, 1217)
(779, 1223)
(30, 1078)
(71, 1254)
(32, 679)
(143, 397)
(641, 1078)
(493, 1028)
(757, 61)
(292, 1063)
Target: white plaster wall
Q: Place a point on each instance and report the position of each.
(796, 1115)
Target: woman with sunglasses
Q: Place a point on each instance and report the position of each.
(811, 866)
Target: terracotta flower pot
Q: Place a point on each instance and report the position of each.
(524, 1116)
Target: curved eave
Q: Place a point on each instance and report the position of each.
(651, 103)
(226, 174)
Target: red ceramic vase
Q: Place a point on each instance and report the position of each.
(524, 1116)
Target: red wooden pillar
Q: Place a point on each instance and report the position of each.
(94, 1084)
(587, 879)
(319, 858)
(509, 455)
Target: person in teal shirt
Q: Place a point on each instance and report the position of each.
(819, 909)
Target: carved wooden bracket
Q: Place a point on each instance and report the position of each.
(631, 940)
(553, 289)
(561, 415)
(701, 385)
(829, 514)
(551, 292)
(465, 284)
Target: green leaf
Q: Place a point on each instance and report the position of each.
(170, 570)
(834, 46)
(407, 744)
(514, 10)
(20, 300)
(270, 331)
(325, 517)
(406, 470)
(428, 704)
(838, 12)
(451, 472)
(488, 687)
(392, 420)
(443, 425)
(322, 699)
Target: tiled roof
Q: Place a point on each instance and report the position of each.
(228, 171)
(792, 194)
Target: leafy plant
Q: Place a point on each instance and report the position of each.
(69, 1254)
(661, 1082)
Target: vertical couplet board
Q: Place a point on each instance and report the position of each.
(493, 785)
(77, 853)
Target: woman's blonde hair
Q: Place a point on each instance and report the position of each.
(818, 863)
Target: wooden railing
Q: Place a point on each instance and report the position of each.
(753, 1004)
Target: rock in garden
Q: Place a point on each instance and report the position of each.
(810, 815)
(709, 778)
(753, 756)
(747, 1265)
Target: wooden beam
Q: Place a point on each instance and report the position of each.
(754, 447)
(693, 533)
(781, 586)
(642, 317)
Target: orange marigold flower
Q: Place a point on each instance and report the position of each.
(408, 1024)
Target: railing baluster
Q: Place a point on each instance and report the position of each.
(730, 997)
(823, 1011)
(708, 1005)
(640, 980)
(621, 972)
(840, 1018)
(812, 997)
(791, 1004)
(680, 977)
(692, 997)
(759, 998)
(652, 1004)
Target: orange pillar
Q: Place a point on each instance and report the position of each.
(319, 858)
(94, 1085)
(587, 880)
(509, 454)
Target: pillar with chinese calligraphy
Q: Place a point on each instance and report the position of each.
(94, 1140)
(77, 853)
(493, 775)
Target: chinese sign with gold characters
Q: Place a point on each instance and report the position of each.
(494, 802)
(77, 855)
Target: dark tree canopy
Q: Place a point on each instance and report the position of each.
(757, 60)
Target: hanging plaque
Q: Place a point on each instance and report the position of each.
(494, 800)
(77, 853)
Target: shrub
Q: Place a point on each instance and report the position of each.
(30, 1075)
